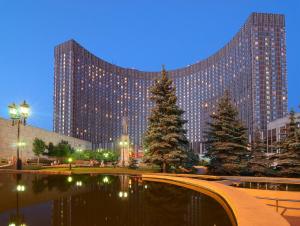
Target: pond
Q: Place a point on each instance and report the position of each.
(92, 200)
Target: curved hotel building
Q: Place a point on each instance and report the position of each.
(92, 96)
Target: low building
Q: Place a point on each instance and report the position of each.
(8, 140)
(277, 131)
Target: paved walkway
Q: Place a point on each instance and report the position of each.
(247, 210)
(288, 209)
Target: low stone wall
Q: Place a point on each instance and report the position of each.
(8, 140)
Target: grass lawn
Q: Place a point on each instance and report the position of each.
(109, 170)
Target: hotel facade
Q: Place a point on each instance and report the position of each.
(92, 96)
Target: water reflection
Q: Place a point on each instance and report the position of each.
(80, 200)
(15, 217)
(268, 186)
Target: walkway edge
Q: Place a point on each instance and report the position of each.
(48, 172)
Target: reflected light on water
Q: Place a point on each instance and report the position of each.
(123, 194)
(70, 179)
(105, 180)
(78, 183)
(53, 200)
(21, 188)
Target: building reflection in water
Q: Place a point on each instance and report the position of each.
(129, 201)
(17, 218)
(82, 200)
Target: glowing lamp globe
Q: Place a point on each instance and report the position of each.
(13, 111)
(24, 109)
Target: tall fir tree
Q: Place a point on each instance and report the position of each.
(258, 163)
(226, 140)
(288, 159)
(165, 138)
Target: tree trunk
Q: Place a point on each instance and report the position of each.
(164, 167)
(38, 160)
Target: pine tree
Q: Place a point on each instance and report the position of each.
(226, 140)
(288, 160)
(191, 160)
(259, 162)
(165, 138)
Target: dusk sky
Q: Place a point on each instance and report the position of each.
(139, 34)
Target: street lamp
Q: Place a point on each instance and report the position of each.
(123, 144)
(105, 155)
(70, 160)
(19, 115)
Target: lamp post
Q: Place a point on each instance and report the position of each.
(70, 160)
(19, 115)
(123, 144)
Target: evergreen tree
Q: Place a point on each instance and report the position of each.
(62, 149)
(38, 149)
(288, 160)
(226, 140)
(165, 138)
(259, 162)
(50, 147)
(191, 160)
